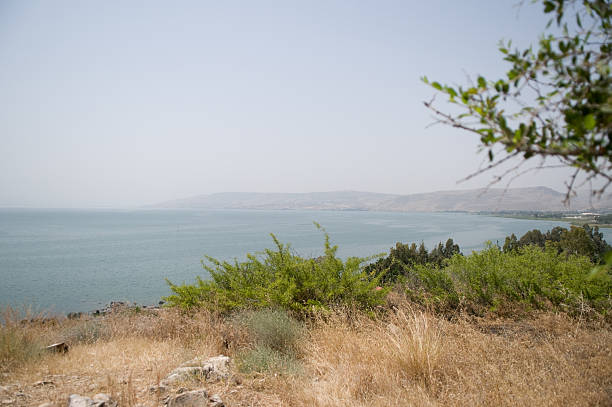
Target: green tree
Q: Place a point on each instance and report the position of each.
(533, 237)
(511, 244)
(555, 101)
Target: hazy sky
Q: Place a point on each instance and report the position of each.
(123, 103)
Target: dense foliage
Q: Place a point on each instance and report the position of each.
(583, 241)
(282, 279)
(528, 275)
(403, 257)
(552, 270)
(555, 101)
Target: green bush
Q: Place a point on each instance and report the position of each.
(529, 275)
(263, 359)
(274, 336)
(273, 329)
(281, 279)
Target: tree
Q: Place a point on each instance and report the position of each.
(533, 237)
(555, 101)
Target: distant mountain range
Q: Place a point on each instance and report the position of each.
(474, 200)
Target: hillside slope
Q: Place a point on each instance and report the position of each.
(474, 200)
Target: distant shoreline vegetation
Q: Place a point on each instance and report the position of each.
(578, 218)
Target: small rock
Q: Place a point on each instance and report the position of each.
(47, 404)
(215, 368)
(183, 373)
(76, 400)
(99, 400)
(60, 347)
(43, 383)
(215, 401)
(194, 398)
(6, 402)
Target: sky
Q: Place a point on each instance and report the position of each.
(129, 103)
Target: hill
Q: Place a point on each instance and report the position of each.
(474, 200)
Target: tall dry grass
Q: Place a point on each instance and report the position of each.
(405, 357)
(416, 358)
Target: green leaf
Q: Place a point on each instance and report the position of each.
(482, 83)
(436, 85)
(548, 6)
(589, 121)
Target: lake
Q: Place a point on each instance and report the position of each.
(80, 260)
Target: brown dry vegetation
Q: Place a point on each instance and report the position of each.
(405, 357)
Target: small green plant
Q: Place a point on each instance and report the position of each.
(281, 279)
(274, 336)
(262, 359)
(273, 329)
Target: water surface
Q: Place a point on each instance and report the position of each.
(79, 260)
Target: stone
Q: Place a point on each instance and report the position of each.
(194, 398)
(6, 402)
(99, 400)
(76, 400)
(43, 383)
(47, 404)
(215, 368)
(211, 369)
(183, 373)
(215, 401)
(60, 347)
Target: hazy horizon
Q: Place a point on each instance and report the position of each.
(120, 104)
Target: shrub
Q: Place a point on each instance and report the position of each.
(274, 337)
(273, 329)
(529, 275)
(263, 359)
(281, 279)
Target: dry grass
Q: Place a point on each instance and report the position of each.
(409, 357)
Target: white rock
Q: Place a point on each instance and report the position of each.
(183, 373)
(215, 401)
(76, 400)
(195, 398)
(99, 400)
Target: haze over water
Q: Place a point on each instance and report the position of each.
(79, 260)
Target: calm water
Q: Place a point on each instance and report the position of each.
(79, 260)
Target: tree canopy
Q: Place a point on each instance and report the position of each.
(554, 102)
